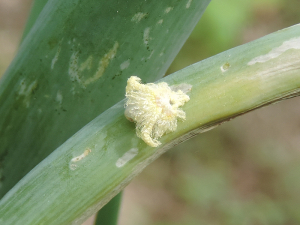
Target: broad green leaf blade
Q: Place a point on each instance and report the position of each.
(35, 11)
(73, 65)
(109, 213)
(224, 86)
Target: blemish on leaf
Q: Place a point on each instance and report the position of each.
(59, 97)
(127, 157)
(146, 35)
(87, 64)
(185, 88)
(150, 54)
(160, 21)
(26, 91)
(125, 64)
(82, 156)
(188, 4)
(73, 67)
(103, 64)
(138, 17)
(73, 166)
(56, 55)
(225, 67)
(293, 43)
(169, 9)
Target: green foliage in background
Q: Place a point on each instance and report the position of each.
(226, 24)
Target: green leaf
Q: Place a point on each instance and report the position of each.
(62, 191)
(109, 213)
(73, 64)
(36, 9)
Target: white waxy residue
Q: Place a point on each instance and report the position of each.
(26, 90)
(138, 17)
(146, 35)
(124, 65)
(185, 88)
(160, 21)
(127, 157)
(55, 57)
(59, 97)
(293, 43)
(188, 4)
(73, 67)
(150, 54)
(167, 10)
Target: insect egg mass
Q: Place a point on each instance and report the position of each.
(154, 108)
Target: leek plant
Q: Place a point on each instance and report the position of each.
(67, 148)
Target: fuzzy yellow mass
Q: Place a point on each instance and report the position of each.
(154, 108)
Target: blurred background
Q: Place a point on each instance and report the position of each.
(245, 172)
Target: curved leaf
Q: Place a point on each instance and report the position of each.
(73, 65)
(62, 191)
